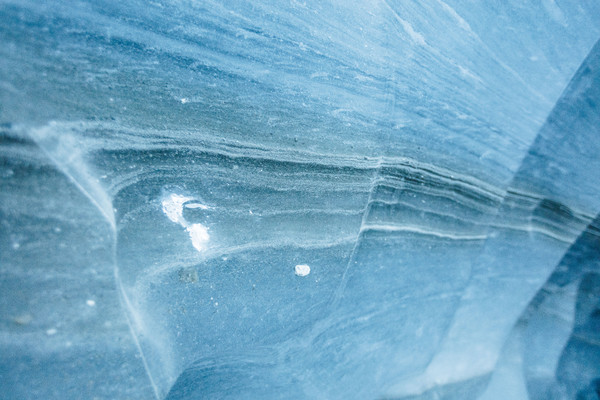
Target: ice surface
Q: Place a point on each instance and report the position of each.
(299, 200)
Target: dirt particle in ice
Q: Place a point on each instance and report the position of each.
(188, 275)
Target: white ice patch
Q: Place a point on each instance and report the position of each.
(173, 205)
(302, 269)
(199, 235)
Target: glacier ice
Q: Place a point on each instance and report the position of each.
(299, 199)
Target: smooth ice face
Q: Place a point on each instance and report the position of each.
(299, 200)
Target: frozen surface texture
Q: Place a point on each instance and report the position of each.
(299, 200)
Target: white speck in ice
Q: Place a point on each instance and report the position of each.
(362, 78)
(16, 245)
(184, 100)
(90, 303)
(302, 269)
(51, 332)
(318, 75)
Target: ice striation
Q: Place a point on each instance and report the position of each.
(299, 200)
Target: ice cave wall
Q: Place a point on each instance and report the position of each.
(166, 166)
